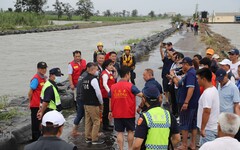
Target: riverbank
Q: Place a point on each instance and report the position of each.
(26, 22)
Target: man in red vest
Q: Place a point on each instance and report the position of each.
(75, 69)
(36, 85)
(123, 107)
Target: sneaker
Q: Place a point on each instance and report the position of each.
(88, 140)
(98, 142)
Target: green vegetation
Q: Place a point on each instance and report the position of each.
(102, 18)
(3, 102)
(130, 41)
(13, 20)
(30, 14)
(215, 41)
(6, 115)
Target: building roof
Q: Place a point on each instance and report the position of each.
(227, 14)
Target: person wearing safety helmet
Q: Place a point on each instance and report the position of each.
(128, 60)
(99, 50)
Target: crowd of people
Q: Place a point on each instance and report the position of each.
(199, 95)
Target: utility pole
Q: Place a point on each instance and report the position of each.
(196, 10)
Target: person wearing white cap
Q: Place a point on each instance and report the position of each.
(52, 128)
(225, 65)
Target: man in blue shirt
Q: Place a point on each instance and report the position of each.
(148, 76)
(228, 93)
(188, 96)
(167, 63)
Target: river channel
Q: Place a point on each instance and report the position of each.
(21, 53)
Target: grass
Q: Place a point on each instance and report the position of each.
(28, 20)
(3, 102)
(103, 18)
(13, 20)
(130, 41)
(215, 41)
(6, 115)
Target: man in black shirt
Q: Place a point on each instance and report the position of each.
(93, 104)
(155, 123)
(50, 98)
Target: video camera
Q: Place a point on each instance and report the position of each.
(178, 71)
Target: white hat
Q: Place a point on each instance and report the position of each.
(54, 117)
(215, 56)
(225, 62)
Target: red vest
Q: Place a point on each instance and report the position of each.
(110, 82)
(123, 101)
(35, 101)
(77, 70)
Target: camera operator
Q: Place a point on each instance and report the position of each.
(167, 63)
(176, 68)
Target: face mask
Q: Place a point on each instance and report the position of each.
(200, 67)
(57, 79)
(96, 73)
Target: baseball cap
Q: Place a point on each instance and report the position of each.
(210, 51)
(220, 74)
(56, 72)
(215, 56)
(225, 62)
(234, 52)
(41, 65)
(187, 60)
(151, 92)
(54, 117)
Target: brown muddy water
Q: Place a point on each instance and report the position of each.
(19, 54)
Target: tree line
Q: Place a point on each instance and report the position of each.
(85, 9)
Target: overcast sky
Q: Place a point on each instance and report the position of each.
(185, 7)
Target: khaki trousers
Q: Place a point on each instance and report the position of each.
(92, 122)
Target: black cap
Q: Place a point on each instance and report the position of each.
(56, 72)
(42, 65)
(169, 43)
(187, 60)
(151, 92)
(220, 74)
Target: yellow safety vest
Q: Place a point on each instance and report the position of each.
(159, 122)
(127, 60)
(52, 105)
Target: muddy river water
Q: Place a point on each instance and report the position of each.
(19, 54)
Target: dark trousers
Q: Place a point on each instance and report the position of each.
(237, 136)
(36, 133)
(174, 105)
(105, 113)
(80, 112)
(133, 76)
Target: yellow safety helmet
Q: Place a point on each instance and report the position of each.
(99, 44)
(127, 48)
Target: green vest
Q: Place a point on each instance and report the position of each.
(52, 104)
(159, 122)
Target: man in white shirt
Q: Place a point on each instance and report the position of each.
(233, 56)
(228, 125)
(208, 107)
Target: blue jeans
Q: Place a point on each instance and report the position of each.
(210, 136)
(80, 112)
